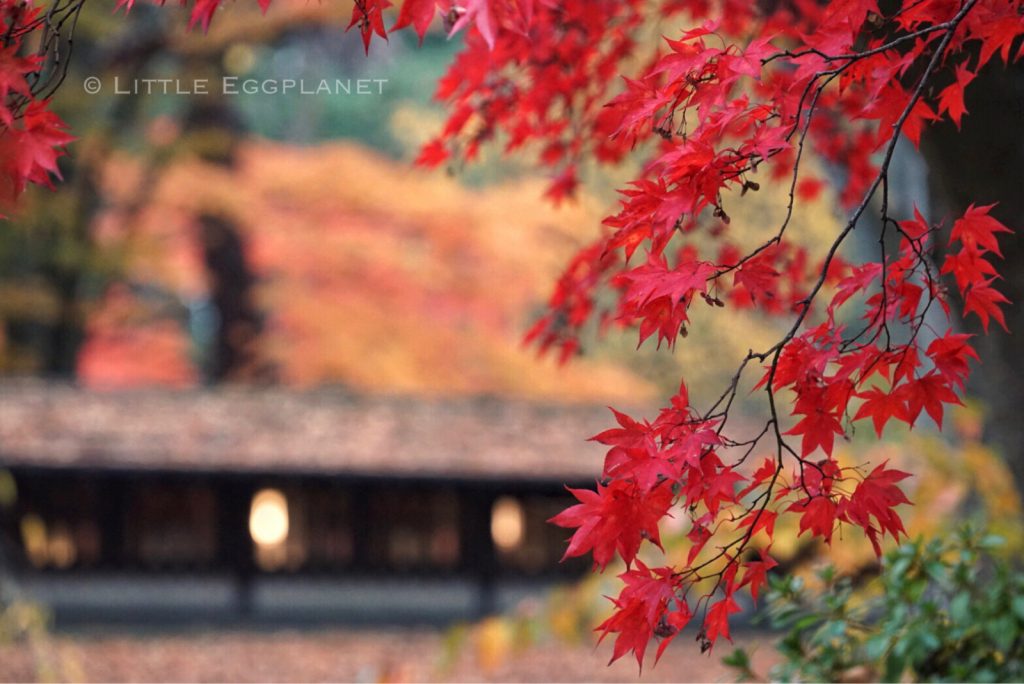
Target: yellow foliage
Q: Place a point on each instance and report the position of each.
(494, 641)
(954, 476)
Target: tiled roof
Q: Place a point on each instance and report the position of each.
(321, 431)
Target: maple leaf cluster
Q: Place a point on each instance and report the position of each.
(741, 94)
(712, 111)
(32, 137)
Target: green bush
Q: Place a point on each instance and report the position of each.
(939, 611)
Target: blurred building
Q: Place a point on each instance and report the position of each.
(277, 505)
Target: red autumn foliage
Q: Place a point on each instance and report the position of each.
(705, 110)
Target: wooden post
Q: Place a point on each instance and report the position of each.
(113, 511)
(478, 557)
(235, 549)
(362, 560)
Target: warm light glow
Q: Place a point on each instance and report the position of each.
(507, 523)
(33, 534)
(268, 518)
(62, 549)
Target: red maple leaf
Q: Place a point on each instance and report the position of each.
(877, 495)
(614, 519)
(368, 18)
(758, 277)
(929, 393)
(34, 147)
(951, 99)
(984, 301)
(202, 13)
(646, 465)
(418, 14)
(641, 610)
(819, 516)
(716, 623)
(978, 228)
(999, 37)
(479, 13)
(760, 520)
(756, 574)
(433, 154)
(882, 406)
(951, 354)
(819, 428)
(859, 280)
(968, 266)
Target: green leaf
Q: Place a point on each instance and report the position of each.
(916, 589)
(992, 541)
(960, 608)
(898, 571)
(1017, 603)
(929, 640)
(875, 647)
(894, 666)
(937, 571)
(805, 622)
(832, 630)
(1003, 631)
(737, 659)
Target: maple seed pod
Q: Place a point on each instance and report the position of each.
(705, 644)
(452, 16)
(663, 629)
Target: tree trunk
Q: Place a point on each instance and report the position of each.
(234, 356)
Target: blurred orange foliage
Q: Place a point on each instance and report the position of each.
(371, 274)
